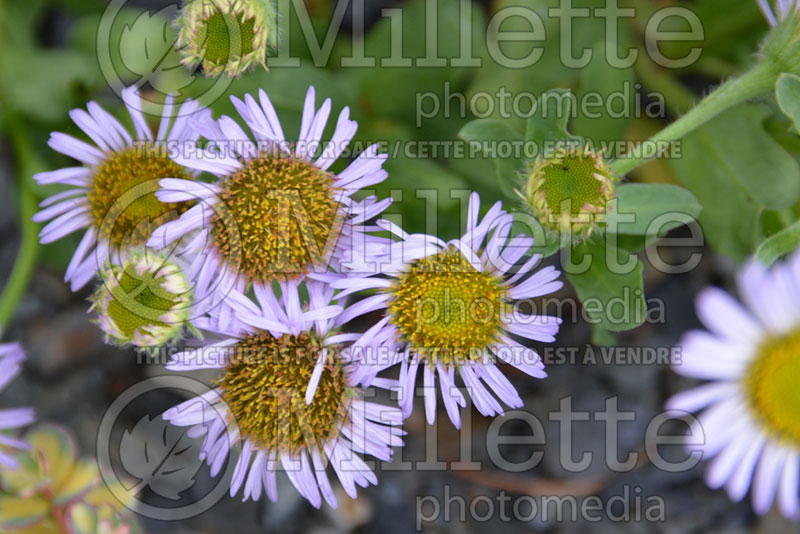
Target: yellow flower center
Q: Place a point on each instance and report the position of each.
(446, 309)
(122, 196)
(772, 389)
(278, 218)
(264, 387)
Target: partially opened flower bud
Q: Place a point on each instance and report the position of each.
(144, 302)
(781, 48)
(568, 191)
(779, 11)
(226, 36)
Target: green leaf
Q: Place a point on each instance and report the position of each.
(735, 177)
(22, 87)
(396, 91)
(20, 23)
(656, 209)
(427, 188)
(780, 244)
(787, 91)
(613, 90)
(493, 134)
(549, 123)
(750, 156)
(635, 243)
(496, 77)
(612, 295)
(427, 194)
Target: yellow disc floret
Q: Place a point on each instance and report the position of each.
(446, 309)
(264, 389)
(278, 217)
(122, 199)
(771, 386)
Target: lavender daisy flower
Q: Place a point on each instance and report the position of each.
(749, 410)
(111, 194)
(782, 9)
(276, 212)
(449, 310)
(11, 356)
(287, 395)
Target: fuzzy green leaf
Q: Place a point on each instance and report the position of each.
(655, 208)
(493, 134)
(612, 295)
(548, 124)
(780, 244)
(607, 94)
(787, 91)
(735, 177)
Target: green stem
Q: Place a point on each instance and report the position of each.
(29, 246)
(757, 81)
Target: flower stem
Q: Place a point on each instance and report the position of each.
(29, 246)
(757, 81)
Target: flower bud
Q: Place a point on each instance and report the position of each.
(226, 36)
(145, 302)
(568, 191)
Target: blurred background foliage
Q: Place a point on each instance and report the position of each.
(51, 53)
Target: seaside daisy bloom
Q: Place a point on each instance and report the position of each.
(276, 212)
(146, 301)
(111, 195)
(287, 395)
(449, 309)
(226, 36)
(11, 357)
(749, 409)
(569, 190)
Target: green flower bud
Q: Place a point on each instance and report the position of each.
(226, 36)
(146, 302)
(568, 191)
(781, 48)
